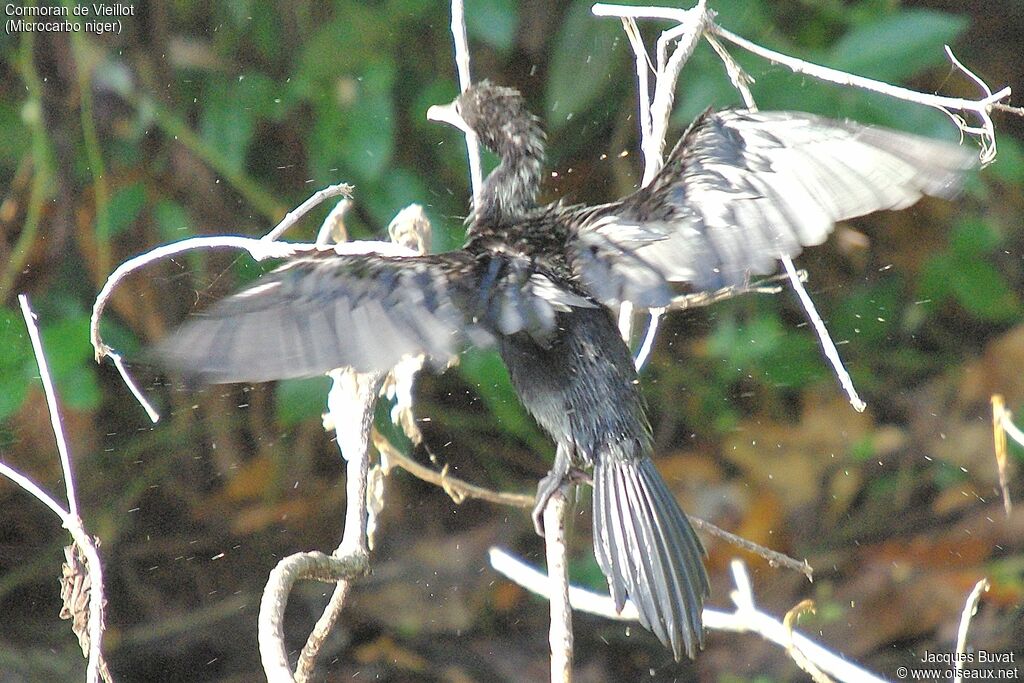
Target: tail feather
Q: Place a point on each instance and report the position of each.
(649, 552)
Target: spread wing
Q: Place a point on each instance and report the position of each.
(742, 188)
(318, 313)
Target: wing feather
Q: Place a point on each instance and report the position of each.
(742, 189)
(317, 313)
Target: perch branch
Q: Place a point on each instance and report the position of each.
(350, 412)
(350, 405)
(92, 641)
(556, 522)
(746, 618)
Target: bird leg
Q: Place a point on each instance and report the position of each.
(561, 472)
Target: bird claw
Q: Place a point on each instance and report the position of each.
(548, 486)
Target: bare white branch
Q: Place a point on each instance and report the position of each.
(827, 346)
(970, 609)
(981, 107)
(556, 520)
(154, 416)
(644, 352)
(69, 518)
(747, 618)
(33, 488)
(318, 197)
(465, 80)
(51, 404)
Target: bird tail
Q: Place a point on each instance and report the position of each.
(649, 552)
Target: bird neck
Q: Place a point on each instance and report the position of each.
(510, 190)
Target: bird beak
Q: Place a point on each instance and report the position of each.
(445, 113)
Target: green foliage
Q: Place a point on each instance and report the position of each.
(897, 46)
(965, 273)
(494, 23)
(14, 136)
(301, 399)
(15, 361)
(68, 355)
(231, 109)
(172, 220)
(125, 206)
(582, 62)
(763, 348)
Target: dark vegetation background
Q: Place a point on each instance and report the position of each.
(215, 119)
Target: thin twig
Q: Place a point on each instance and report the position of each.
(1002, 424)
(699, 299)
(465, 80)
(827, 345)
(644, 352)
(457, 489)
(740, 81)
(970, 609)
(556, 521)
(793, 650)
(980, 107)
(317, 198)
(51, 404)
(96, 667)
(773, 557)
(154, 416)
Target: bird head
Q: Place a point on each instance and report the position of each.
(498, 116)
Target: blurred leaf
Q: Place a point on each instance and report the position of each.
(15, 361)
(869, 314)
(898, 46)
(493, 22)
(230, 110)
(125, 206)
(972, 237)
(936, 277)
(1009, 165)
(353, 136)
(301, 399)
(983, 291)
(266, 29)
(763, 348)
(352, 39)
(70, 357)
(581, 62)
(14, 136)
(172, 220)
(403, 187)
(745, 17)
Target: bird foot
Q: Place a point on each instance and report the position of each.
(547, 487)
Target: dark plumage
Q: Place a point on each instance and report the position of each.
(739, 190)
